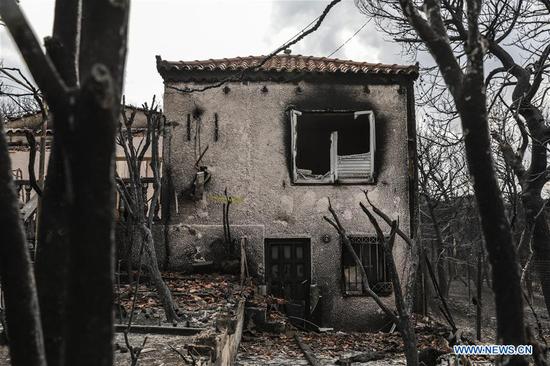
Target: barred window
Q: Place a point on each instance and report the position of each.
(371, 253)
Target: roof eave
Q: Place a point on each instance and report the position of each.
(173, 71)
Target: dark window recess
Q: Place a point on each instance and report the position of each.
(371, 253)
(333, 146)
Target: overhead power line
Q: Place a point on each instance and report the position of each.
(285, 45)
(238, 76)
(350, 38)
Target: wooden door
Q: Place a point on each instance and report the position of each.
(288, 273)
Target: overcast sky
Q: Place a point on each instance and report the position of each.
(203, 29)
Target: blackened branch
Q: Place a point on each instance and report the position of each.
(335, 222)
(40, 66)
(240, 75)
(32, 158)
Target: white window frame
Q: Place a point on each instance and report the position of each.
(332, 178)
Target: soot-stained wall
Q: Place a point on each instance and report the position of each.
(252, 159)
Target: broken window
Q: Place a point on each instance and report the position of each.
(331, 147)
(371, 253)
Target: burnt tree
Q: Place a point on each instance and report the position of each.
(435, 25)
(403, 300)
(526, 107)
(81, 78)
(139, 211)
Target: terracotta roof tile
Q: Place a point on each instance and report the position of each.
(287, 63)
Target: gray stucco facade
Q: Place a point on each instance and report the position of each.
(247, 128)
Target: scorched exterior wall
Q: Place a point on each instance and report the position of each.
(252, 159)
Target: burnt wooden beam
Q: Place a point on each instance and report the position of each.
(307, 351)
(155, 329)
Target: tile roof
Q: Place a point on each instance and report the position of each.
(287, 63)
(21, 131)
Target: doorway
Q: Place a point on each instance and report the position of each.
(288, 273)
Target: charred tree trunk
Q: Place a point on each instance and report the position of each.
(92, 171)
(495, 225)
(52, 258)
(140, 214)
(532, 179)
(403, 301)
(541, 249)
(468, 91)
(22, 314)
(75, 257)
(152, 265)
(52, 254)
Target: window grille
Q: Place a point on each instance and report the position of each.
(371, 253)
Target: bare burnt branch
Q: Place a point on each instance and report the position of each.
(25, 337)
(240, 75)
(472, 25)
(335, 222)
(40, 66)
(31, 141)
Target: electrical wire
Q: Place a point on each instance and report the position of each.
(350, 38)
(238, 76)
(300, 32)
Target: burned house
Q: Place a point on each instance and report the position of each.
(281, 138)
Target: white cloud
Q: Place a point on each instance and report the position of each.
(195, 29)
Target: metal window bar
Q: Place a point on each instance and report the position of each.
(373, 260)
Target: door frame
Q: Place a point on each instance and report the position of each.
(306, 241)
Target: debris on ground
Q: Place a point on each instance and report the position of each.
(209, 307)
(344, 348)
(199, 298)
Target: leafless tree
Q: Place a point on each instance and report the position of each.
(140, 211)
(403, 300)
(521, 89)
(443, 182)
(22, 99)
(19, 95)
(80, 77)
(458, 34)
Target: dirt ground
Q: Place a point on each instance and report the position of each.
(281, 349)
(464, 311)
(259, 348)
(266, 349)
